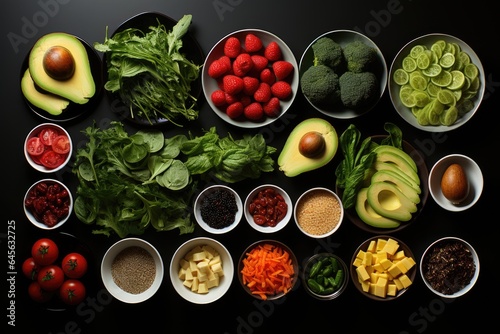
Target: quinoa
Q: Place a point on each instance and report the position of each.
(133, 269)
(318, 212)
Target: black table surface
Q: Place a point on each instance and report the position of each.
(390, 24)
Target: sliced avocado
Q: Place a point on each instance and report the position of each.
(292, 162)
(368, 215)
(387, 200)
(51, 103)
(401, 153)
(378, 166)
(80, 87)
(402, 164)
(396, 179)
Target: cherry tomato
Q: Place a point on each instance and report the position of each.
(47, 135)
(50, 277)
(51, 159)
(30, 269)
(38, 294)
(35, 147)
(61, 144)
(44, 251)
(72, 291)
(74, 265)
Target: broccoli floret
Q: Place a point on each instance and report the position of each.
(359, 56)
(358, 90)
(328, 52)
(320, 84)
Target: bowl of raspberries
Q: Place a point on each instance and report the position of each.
(343, 74)
(250, 78)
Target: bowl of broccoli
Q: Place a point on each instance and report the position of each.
(343, 74)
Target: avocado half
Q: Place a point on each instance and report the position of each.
(51, 103)
(80, 87)
(292, 162)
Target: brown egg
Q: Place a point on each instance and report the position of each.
(454, 184)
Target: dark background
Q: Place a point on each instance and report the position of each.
(390, 24)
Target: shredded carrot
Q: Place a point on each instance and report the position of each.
(268, 270)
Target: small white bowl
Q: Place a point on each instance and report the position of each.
(474, 176)
(210, 85)
(275, 191)
(35, 132)
(208, 192)
(439, 243)
(318, 217)
(30, 213)
(107, 274)
(214, 293)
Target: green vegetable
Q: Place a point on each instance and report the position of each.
(358, 90)
(325, 276)
(150, 72)
(359, 158)
(315, 286)
(328, 52)
(359, 56)
(320, 84)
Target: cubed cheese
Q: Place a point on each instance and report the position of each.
(381, 287)
(202, 266)
(367, 260)
(391, 246)
(380, 244)
(217, 268)
(386, 264)
(408, 262)
(392, 289)
(202, 287)
(362, 273)
(182, 273)
(198, 256)
(372, 247)
(405, 280)
(394, 270)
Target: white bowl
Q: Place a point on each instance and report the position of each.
(107, 275)
(214, 293)
(210, 85)
(198, 204)
(35, 132)
(39, 222)
(424, 269)
(473, 174)
(428, 40)
(343, 37)
(318, 217)
(275, 191)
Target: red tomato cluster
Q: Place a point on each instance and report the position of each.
(49, 148)
(48, 202)
(268, 208)
(50, 277)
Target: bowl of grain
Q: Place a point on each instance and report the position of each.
(132, 270)
(318, 212)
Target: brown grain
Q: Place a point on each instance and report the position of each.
(318, 212)
(133, 269)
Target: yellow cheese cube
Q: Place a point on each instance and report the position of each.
(394, 270)
(365, 286)
(398, 284)
(402, 267)
(189, 274)
(202, 287)
(217, 268)
(378, 267)
(202, 266)
(408, 262)
(182, 273)
(372, 247)
(360, 255)
(210, 252)
(399, 255)
(381, 287)
(184, 264)
(214, 260)
(367, 260)
(202, 276)
(188, 283)
(213, 281)
(405, 280)
(373, 277)
(391, 246)
(198, 256)
(357, 262)
(362, 273)
(195, 283)
(392, 289)
(386, 264)
(380, 244)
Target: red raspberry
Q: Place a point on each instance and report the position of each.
(217, 68)
(250, 85)
(234, 110)
(232, 47)
(281, 89)
(272, 108)
(245, 100)
(259, 63)
(282, 69)
(273, 51)
(230, 99)
(242, 64)
(218, 97)
(226, 60)
(267, 76)
(254, 111)
(263, 93)
(232, 84)
(252, 43)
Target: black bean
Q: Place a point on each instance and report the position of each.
(218, 209)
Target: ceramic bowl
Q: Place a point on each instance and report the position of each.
(290, 269)
(219, 262)
(340, 275)
(471, 92)
(58, 216)
(452, 257)
(210, 84)
(223, 217)
(318, 212)
(396, 261)
(48, 147)
(268, 196)
(379, 68)
(474, 177)
(121, 265)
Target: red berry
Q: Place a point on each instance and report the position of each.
(231, 98)
(234, 110)
(242, 64)
(250, 85)
(281, 89)
(254, 111)
(272, 107)
(263, 93)
(273, 51)
(259, 63)
(267, 76)
(232, 84)
(252, 43)
(232, 47)
(218, 97)
(217, 68)
(245, 100)
(282, 69)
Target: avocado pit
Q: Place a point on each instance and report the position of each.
(58, 63)
(312, 144)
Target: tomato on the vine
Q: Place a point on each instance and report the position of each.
(74, 265)
(51, 277)
(30, 268)
(72, 292)
(38, 294)
(44, 251)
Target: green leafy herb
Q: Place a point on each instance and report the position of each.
(150, 73)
